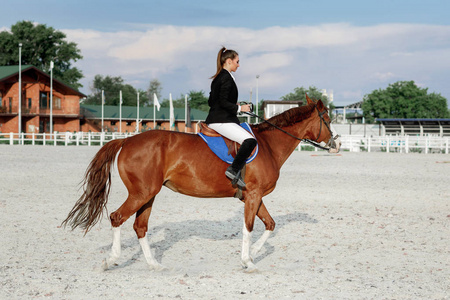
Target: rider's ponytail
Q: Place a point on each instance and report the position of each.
(222, 57)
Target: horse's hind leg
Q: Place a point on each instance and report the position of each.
(141, 227)
(264, 215)
(128, 208)
(115, 250)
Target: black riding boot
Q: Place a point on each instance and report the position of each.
(234, 171)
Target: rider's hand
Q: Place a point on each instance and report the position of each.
(245, 108)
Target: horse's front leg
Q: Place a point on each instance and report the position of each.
(265, 217)
(251, 207)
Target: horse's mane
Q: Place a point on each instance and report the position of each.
(287, 118)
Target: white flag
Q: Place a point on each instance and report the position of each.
(172, 115)
(155, 102)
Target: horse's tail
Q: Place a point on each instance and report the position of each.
(96, 186)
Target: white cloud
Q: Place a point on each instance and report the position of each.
(384, 76)
(349, 59)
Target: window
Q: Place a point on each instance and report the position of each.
(56, 102)
(43, 100)
(113, 123)
(29, 102)
(129, 123)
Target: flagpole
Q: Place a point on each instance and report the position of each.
(120, 112)
(185, 113)
(51, 97)
(251, 96)
(170, 111)
(20, 88)
(155, 105)
(103, 104)
(137, 118)
(257, 99)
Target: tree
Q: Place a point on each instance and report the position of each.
(403, 99)
(198, 100)
(300, 92)
(112, 87)
(177, 102)
(154, 88)
(40, 46)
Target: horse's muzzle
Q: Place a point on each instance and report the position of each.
(334, 144)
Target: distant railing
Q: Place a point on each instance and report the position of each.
(59, 111)
(352, 143)
(9, 109)
(62, 139)
(35, 110)
(392, 143)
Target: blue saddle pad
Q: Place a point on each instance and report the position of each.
(218, 146)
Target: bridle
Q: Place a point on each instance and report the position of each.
(331, 142)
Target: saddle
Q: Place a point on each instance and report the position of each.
(224, 148)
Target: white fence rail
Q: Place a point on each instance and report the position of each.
(64, 139)
(388, 143)
(352, 143)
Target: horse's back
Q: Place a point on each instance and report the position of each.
(181, 161)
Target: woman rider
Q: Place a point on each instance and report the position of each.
(222, 116)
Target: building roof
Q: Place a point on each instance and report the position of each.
(9, 73)
(145, 113)
(356, 105)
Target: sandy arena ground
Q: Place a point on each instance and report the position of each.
(349, 226)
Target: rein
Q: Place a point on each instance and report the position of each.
(313, 143)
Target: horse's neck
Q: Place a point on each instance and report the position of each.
(281, 144)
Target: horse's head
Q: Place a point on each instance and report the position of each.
(324, 131)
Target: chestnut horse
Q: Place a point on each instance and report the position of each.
(184, 163)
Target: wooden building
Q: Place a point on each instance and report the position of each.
(35, 106)
(68, 114)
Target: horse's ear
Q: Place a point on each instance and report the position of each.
(320, 104)
(308, 100)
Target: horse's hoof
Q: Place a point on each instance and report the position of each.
(157, 267)
(105, 266)
(251, 268)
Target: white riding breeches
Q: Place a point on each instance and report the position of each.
(231, 131)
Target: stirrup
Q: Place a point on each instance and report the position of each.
(236, 179)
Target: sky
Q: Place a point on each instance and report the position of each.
(348, 47)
